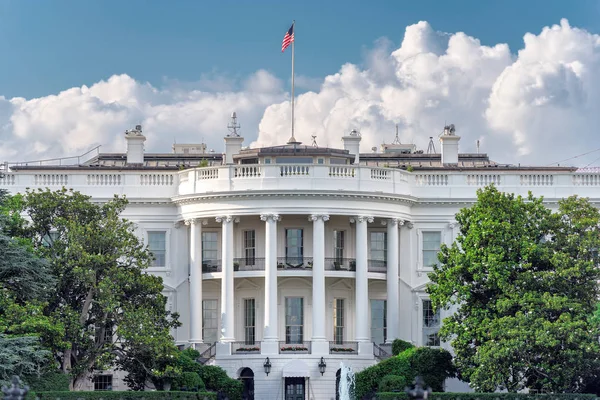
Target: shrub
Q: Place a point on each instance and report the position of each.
(50, 381)
(131, 395)
(392, 383)
(490, 396)
(399, 345)
(433, 365)
(188, 381)
(216, 379)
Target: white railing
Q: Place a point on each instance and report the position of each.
(51, 179)
(294, 170)
(157, 179)
(207, 173)
(7, 179)
(586, 180)
(483, 179)
(537, 180)
(247, 171)
(104, 179)
(342, 171)
(431, 180)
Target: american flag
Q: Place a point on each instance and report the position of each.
(288, 38)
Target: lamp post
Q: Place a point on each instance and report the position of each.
(267, 366)
(418, 393)
(322, 366)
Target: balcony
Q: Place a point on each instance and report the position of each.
(245, 347)
(294, 348)
(340, 264)
(295, 263)
(343, 347)
(209, 266)
(377, 266)
(249, 264)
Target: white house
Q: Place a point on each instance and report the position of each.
(296, 257)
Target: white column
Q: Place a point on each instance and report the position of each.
(227, 295)
(362, 282)
(318, 280)
(195, 280)
(393, 292)
(270, 333)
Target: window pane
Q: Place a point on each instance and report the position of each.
(249, 321)
(210, 246)
(378, 321)
(431, 247)
(338, 321)
(378, 246)
(294, 320)
(209, 321)
(431, 325)
(157, 245)
(294, 249)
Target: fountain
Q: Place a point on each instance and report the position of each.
(346, 389)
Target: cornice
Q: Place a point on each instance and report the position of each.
(200, 198)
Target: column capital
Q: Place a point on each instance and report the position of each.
(314, 217)
(227, 219)
(453, 224)
(194, 221)
(361, 218)
(392, 222)
(273, 217)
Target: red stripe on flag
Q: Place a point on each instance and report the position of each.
(287, 39)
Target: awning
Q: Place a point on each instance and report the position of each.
(296, 369)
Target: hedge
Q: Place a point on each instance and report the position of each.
(399, 345)
(491, 396)
(130, 395)
(50, 381)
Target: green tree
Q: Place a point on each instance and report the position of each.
(22, 356)
(522, 283)
(101, 287)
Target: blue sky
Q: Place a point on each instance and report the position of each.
(49, 46)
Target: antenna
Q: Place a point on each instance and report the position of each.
(396, 139)
(431, 147)
(314, 140)
(233, 126)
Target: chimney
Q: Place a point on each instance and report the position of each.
(233, 141)
(135, 145)
(352, 144)
(449, 142)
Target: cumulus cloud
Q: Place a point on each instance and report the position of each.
(536, 105)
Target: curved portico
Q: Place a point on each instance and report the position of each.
(323, 249)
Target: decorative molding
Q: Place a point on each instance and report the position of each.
(272, 217)
(453, 224)
(314, 217)
(194, 221)
(409, 224)
(225, 219)
(392, 221)
(362, 218)
(178, 224)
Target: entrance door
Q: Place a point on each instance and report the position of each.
(247, 378)
(294, 388)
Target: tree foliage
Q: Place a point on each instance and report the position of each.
(523, 284)
(101, 287)
(22, 356)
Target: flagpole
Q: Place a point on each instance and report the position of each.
(293, 43)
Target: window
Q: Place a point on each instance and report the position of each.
(249, 321)
(50, 238)
(294, 320)
(108, 333)
(103, 382)
(431, 325)
(210, 324)
(320, 161)
(250, 247)
(338, 246)
(431, 248)
(338, 321)
(210, 247)
(379, 248)
(267, 161)
(378, 321)
(157, 243)
(294, 160)
(294, 249)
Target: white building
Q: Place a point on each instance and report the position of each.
(296, 254)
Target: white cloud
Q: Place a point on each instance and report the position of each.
(534, 106)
